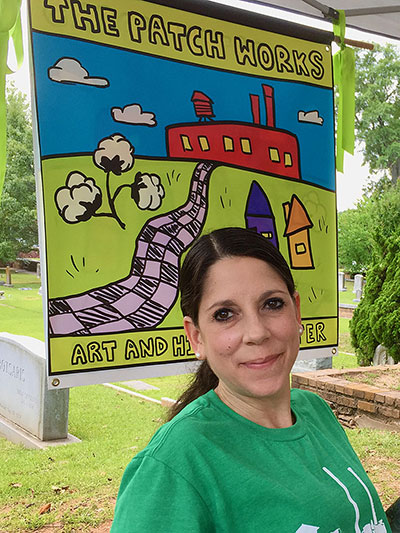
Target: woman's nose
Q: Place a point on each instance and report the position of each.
(256, 329)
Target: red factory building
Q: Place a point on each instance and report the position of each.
(244, 144)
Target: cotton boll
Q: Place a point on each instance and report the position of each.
(79, 199)
(114, 154)
(147, 191)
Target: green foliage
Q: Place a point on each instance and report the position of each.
(354, 240)
(378, 105)
(377, 318)
(18, 228)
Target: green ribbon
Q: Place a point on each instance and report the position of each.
(10, 28)
(344, 78)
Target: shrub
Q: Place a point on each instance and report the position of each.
(377, 318)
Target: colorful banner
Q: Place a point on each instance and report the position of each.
(156, 124)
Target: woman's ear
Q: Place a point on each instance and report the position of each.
(194, 336)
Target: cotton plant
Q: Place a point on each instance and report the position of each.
(114, 155)
(80, 198)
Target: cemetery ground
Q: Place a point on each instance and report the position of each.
(73, 488)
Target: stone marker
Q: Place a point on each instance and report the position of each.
(8, 277)
(29, 413)
(358, 287)
(341, 282)
(140, 385)
(381, 357)
(358, 283)
(320, 363)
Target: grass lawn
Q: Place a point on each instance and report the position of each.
(347, 296)
(80, 481)
(21, 305)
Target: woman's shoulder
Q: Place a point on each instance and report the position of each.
(316, 411)
(308, 401)
(178, 433)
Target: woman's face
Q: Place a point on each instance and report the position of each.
(248, 328)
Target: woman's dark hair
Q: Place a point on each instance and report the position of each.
(205, 252)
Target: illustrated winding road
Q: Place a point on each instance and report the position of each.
(143, 298)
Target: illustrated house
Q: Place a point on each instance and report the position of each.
(297, 232)
(259, 215)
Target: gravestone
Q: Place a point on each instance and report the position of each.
(320, 363)
(8, 277)
(29, 413)
(358, 287)
(358, 282)
(341, 282)
(381, 356)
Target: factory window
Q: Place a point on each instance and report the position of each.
(274, 155)
(228, 144)
(288, 160)
(186, 143)
(203, 142)
(246, 146)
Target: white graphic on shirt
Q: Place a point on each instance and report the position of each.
(311, 529)
(372, 527)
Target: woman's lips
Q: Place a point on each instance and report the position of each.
(260, 363)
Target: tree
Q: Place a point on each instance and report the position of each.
(377, 318)
(378, 107)
(354, 240)
(18, 220)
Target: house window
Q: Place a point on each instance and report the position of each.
(288, 160)
(267, 234)
(300, 248)
(246, 146)
(274, 155)
(228, 144)
(203, 142)
(186, 143)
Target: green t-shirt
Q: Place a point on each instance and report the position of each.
(211, 470)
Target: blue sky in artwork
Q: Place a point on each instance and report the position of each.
(73, 118)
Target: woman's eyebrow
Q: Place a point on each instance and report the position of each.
(221, 303)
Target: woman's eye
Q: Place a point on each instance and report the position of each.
(222, 315)
(274, 303)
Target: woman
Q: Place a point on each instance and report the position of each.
(242, 452)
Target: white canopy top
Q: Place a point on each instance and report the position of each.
(373, 16)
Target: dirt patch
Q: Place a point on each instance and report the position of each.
(385, 475)
(385, 379)
(103, 528)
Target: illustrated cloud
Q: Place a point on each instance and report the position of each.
(69, 70)
(79, 199)
(133, 114)
(147, 191)
(310, 116)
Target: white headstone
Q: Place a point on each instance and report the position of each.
(358, 283)
(24, 398)
(341, 282)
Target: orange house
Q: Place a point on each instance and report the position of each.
(297, 231)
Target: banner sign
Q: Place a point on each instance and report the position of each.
(156, 124)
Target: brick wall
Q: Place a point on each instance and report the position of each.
(355, 404)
